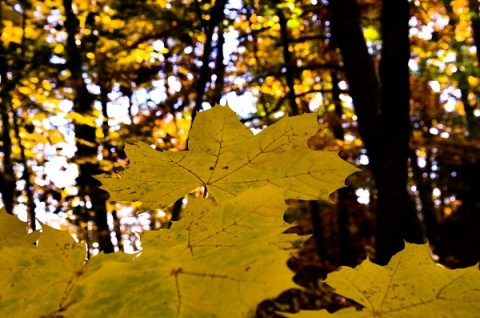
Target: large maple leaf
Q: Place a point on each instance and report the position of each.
(217, 261)
(410, 286)
(225, 157)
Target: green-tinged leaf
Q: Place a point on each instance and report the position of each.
(37, 281)
(411, 285)
(217, 261)
(227, 159)
(14, 231)
(293, 23)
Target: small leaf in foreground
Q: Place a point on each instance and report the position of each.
(226, 158)
(411, 285)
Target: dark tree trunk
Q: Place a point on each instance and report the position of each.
(216, 16)
(26, 176)
(219, 66)
(473, 122)
(359, 71)
(7, 176)
(288, 62)
(345, 195)
(11, 62)
(397, 218)
(475, 20)
(85, 135)
(383, 116)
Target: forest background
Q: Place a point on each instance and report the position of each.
(395, 87)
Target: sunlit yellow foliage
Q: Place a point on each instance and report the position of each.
(11, 33)
(371, 34)
(52, 3)
(25, 90)
(77, 118)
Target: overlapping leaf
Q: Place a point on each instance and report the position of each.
(226, 158)
(36, 280)
(217, 261)
(225, 255)
(411, 285)
(13, 233)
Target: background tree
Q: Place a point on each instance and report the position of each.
(397, 218)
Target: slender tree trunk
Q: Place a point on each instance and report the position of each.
(8, 180)
(315, 214)
(345, 195)
(13, 63)
(473, 7)
(473, 123)
(425, 193)
(7, 177)
(219, 66)
(288, 61)
(85, 134)
(118, 231)
(26, 176)
(216, 16)
(359, 71)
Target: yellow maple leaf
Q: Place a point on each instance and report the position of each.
(218, 260)
(226, 158)
(410, 286)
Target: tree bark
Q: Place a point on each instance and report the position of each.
(26, 176)
(216, 16)
(288, 62)
(7, 176)
(359, 71)
(383, 115)
(473, 7)
(85, 134)
(219, 66)
(397, 218)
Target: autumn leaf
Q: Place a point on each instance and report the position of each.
(13, 231)
(217, 261)
(36, 281)
(225, 157)
(411, 285)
